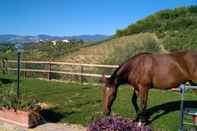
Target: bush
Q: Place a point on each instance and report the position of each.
(116, 124)
(9, 99)
(181, 40)
(164, 20)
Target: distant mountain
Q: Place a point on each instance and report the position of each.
(9, 38)
(90, 37)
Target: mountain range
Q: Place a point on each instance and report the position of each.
(9, 38)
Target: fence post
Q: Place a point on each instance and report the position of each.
(49, 68)
(25, 75)
(182, 91)
(4, 65)
(81, 74)
(18, 76)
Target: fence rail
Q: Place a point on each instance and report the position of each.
(60, 72)
(65, 63)
(49, 70)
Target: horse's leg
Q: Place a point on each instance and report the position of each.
(143, 93)
(134, 100)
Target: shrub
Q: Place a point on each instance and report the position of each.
(116, 124)
(164, 20)
(181, 40)
(10, 101)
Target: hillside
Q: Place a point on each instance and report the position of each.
(177, 28)
(165, 20)
(101, 52)
(164, 31)
(113, 52)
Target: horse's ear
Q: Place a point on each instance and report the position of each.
(103, 78)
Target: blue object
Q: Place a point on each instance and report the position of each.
(191, 111)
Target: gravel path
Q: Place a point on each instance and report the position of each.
(44, 127)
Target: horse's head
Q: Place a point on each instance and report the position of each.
(109, 94)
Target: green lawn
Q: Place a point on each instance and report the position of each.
(74, 103)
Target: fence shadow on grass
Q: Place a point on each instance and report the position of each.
(167, 108)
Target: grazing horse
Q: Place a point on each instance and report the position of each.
(150, 70)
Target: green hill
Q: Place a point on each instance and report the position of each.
(164, 31)
(177, 28)
(165, 20)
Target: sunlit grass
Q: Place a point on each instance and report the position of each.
(82, 104)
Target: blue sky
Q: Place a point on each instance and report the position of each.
(76, 17)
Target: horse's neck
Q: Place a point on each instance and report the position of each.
(118, 77)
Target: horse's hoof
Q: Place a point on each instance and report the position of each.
(141, 120)
(139, 123)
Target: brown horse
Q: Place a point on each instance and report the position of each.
(150, 70)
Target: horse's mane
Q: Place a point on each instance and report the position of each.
(118, 70)
(114, 74)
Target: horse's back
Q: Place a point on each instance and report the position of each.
(191, 62)
(163, 70)
(174, 68)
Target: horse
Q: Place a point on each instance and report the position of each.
(149, 70)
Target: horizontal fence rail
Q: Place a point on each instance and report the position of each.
(49, 69)
(65, 63)
(60, 72)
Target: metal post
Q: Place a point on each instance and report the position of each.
(3, 66)
(182, 91)
(25, 74)
(18, 74)
(49, 74)
(81, 75)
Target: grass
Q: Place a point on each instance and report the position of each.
(74, 103)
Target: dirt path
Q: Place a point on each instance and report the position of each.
(44, 127)
(59, 127)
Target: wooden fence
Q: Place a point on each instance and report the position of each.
(49, 69)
